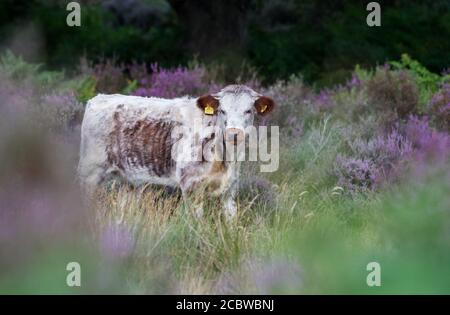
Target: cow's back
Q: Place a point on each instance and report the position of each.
(131, 136)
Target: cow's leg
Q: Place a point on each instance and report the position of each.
(193, 200)
(92, 165)
(229, 202)
(190, 184)
(230, 208)
(89, 181)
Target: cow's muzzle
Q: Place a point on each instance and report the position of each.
(234, 135)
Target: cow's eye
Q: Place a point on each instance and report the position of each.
(247, 112)
(221, 111)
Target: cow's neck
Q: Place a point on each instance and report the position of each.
(223, 164)
(232, 163)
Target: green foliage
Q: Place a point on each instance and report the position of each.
(423, 76)
(427, 81)
(132, 85)
(321, 40)
(102, 36)
(15, 68)
(363, 74)
(86, 89)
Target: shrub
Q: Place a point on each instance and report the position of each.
(355, 80)
(384, 151)
(59, 112)
(109, 75)
(86, 89)
(428, 144)
(373, 163)
(439, 108)
(24, 98)
(393, 91)
(324, 100)
(294, 106)
(383, 159)
(171, 83)
(138, 71)
(350, 102)
(258, 191)
(427, 81)
(355, 174)
(15, 68)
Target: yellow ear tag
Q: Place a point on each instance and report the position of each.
(263, 109)
(209, 110)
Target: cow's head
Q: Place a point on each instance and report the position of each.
(235, 108)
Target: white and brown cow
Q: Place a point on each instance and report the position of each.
(154, 140)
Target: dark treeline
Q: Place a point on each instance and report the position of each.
(322, 40)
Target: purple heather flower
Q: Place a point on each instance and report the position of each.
(439, 108)
(324, 100)
(354, 81)
(445, 71)
(355, 174)
(374, 162)
(428, 144)
(169, 83)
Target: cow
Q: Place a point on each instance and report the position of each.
(149, 140)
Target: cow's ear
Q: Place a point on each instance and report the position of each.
(264, 105)
(208, 104)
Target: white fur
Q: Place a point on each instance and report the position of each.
(236, 110)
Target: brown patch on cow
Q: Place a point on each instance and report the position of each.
(264, 105)
(195, 182)
(113, 147)
(216, 172)
(207, 100)
(145, 143)
(214, 185)
(217, 167)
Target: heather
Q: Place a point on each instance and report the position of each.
(439, 108)
(170, 83)
(364, 176)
